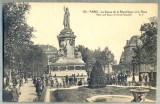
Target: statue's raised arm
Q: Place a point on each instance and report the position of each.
(66, 18)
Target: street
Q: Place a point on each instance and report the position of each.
(28, 92)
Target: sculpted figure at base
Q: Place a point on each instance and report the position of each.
(63, 49)
(77, 54)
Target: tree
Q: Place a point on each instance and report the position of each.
(19, 51)
(38, 59)
(97, 77)
(87, 56)
(149, 40)
(17, 33)
(106, 58)
(146, 49)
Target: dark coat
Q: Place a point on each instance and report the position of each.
(34, 81)
(15, 94)
(38, 87)
(51, 83)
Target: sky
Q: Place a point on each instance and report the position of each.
(92, 31)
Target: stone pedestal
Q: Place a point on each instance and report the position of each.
(139, 95)
(70, 61)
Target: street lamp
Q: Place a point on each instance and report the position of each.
(133, 64)
(138, 54)
(151, 70)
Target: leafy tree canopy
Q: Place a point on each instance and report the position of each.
(146, 50)
(19, 51)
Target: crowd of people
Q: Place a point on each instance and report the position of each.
(125, 79)
(40, 82)
(53, 82)
(13, 84)
(117, 79)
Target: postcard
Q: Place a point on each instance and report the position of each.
(79, 52)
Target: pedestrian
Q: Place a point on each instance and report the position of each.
(57, 84)
(64, 85)
(119, 79)
(122, 79)
(80, 83)
(34, 80)
(46, 80)
(26, 80)
(21, 81)
(14, 81)
(52, 83)
(66, 80)
(113, 80)
(15, 94)
(126, 83)
(7, 81)
(60, 85)
(38, 87)
(116, 79)
(43, 83)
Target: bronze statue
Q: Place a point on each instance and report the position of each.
(66, 18)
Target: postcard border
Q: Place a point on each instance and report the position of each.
(85, 1)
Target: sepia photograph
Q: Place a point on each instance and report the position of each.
(79, 52)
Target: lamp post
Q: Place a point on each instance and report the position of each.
(152, 70)
(12, 61)
(133, 64)
(136, 59)
(138, 55)
(108, 59)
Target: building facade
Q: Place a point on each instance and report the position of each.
(51, 53)
(144, 71)
(128, 53)
(128, 49)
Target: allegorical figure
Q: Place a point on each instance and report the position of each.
(66, 18)
(78, 54)
(63, 49)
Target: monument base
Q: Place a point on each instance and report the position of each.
(68, 61)
(69, 67)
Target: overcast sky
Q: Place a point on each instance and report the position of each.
(91, 30)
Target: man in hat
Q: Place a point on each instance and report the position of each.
(52, 83)
(15, 94)
(38, 86)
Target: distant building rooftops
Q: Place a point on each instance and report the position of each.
(132, 41)
(126, 56)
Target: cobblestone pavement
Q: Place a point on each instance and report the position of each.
(28, 92)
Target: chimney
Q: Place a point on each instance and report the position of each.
(127, 42)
